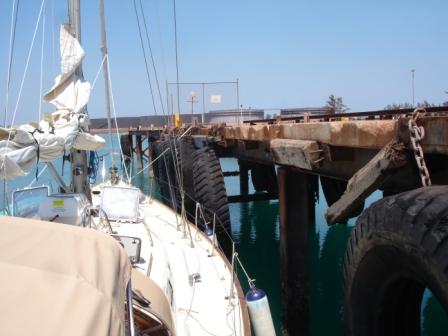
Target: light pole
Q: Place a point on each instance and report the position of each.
(413, 89)
(192, 100)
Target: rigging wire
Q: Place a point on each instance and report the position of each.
(12, 39)
(162, 58)
(148, 41)
(98, 72)
(53, 24)
(116, 123)
(160, 155)
(145, 58)
(25, 71)
(42, 66)
(177, 56)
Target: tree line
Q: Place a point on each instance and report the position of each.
(336, 105)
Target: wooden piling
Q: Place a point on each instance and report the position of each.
(131, 144)
(126, 147)
(296, 207)
(244, 177)
(138, 148)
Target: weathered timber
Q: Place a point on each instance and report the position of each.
(367, 180)
(296, 207)
(231, 173)
(139, 150)
(297, 153)
(356, 133)
(126, 147)
(261, 196)
(369, 134)
(244, 177)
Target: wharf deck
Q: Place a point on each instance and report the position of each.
(335, 146)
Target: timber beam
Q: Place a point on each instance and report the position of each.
(297, 153)
(367, 180)
(367, 134)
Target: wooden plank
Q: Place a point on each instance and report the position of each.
(370, 134)
(296, 153)
(261, 196)
(367, 180)
(354, 133)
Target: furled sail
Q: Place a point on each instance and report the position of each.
(22, 147)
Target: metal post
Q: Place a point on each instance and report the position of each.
(103, 47)
(238, 100)
(413, 91)
(78, 158)
(203, 102)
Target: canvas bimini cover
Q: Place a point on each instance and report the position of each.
(60, 280)
(21, 147)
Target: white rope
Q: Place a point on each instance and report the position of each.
(41, 68)
(116, 123)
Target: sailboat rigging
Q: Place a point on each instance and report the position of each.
(176, 279)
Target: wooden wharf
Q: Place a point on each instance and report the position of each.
(353, 155)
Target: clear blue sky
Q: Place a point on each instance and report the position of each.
(284, 53)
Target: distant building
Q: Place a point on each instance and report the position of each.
(232, 116)
(299, 111)
(144, 121)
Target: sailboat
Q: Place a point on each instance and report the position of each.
(176, 279)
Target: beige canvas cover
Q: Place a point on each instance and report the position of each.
(58, 279)
(159, 306)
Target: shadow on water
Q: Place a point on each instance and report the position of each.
(257, 242)
(326, 280)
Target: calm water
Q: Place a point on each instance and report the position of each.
(255, 228)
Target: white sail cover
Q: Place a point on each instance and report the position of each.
(23, 146)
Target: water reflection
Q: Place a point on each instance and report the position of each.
(326, 280)
(434, 318)
(256, 237)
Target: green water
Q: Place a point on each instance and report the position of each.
(255, 228)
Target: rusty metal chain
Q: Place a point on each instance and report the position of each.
(417, 133)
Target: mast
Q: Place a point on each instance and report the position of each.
(105, 54)
(78, 158)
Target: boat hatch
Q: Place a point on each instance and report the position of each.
(26, 202)
(120, 203)
(61, 208)
(64, 208)
(132, 246)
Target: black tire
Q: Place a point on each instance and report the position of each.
(163, 181)
(186, 150)
(154, 154)
(172, 170)
(210, 191)
(398, 248)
